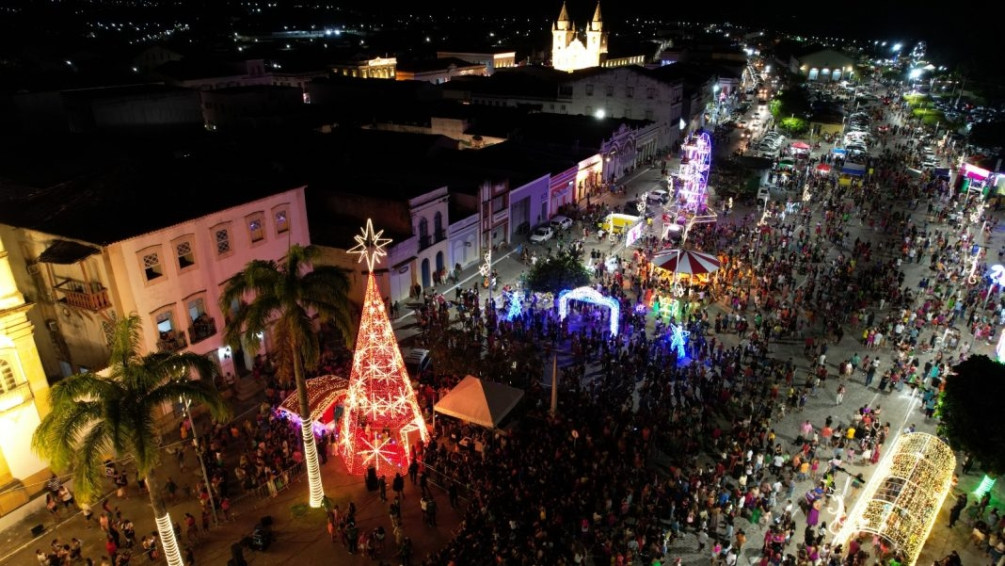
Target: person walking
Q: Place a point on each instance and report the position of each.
(398, 485)
(839, 396)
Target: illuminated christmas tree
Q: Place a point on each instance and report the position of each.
(381, 420)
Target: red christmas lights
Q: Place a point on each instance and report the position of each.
(381, 419)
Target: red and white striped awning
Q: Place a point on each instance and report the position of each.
(687, 261)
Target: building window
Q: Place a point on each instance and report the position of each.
(589, 110)
(152, 267)
(165, 322)
(589, 90)
(7, 380)
(650, 93)
(256, 227)
(222, 237)
(610, 90)
(282, 217)
(186, 256)
(438, 226)
(630, 91)
(649, 114)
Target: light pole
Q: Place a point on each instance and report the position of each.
(486, 271)
(186, 405)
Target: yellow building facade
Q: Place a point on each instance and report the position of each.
(24, 396)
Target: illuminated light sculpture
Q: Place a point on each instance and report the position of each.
(381, 420)
(902, 499)
(678, 339)
(695, 163)
(322, 392)
(590, 295)
(515, 307)
(984, 487)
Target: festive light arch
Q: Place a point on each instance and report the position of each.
(902, 500)
(590, 295)
(381, 421)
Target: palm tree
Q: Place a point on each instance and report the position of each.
(284, 297)
(96, 415)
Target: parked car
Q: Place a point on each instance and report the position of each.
(560, 223)
(542, 234)
(417, 362)
(659, 196)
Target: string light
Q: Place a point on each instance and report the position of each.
(902, 500)
(166, 531)
(382, 417)
(317, 493)
(590, 295)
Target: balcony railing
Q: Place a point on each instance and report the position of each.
(425, 242)
(90, 296)
(201, 329)
(441, 235)
(171, 342)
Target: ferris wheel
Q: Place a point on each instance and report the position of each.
(695, 163)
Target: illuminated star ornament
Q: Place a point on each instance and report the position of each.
(678, 339)
(370, 246)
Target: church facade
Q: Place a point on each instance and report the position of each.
(569, 51)
(24, 396)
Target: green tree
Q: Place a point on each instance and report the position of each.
(557, 273)
(284, 298)
(970, 409)
(94, 416)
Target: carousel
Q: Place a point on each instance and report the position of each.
(675, 274)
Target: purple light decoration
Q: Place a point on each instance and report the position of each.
(697, 154)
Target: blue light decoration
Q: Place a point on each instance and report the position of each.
(593, 296)
(515, 307)
(678, 339)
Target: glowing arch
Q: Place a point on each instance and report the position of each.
(590, 295)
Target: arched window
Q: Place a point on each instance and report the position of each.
(438, 226)
(424, 241)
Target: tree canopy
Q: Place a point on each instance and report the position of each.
(558, 273)
(970, 411)
(95, 416)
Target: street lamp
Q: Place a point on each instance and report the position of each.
(186, 406)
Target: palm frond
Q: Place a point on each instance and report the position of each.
(57, 437)
(89, 463)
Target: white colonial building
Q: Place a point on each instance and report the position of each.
(91, 252)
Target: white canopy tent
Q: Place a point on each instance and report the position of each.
(484, 403)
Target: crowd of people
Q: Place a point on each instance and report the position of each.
(652, 456)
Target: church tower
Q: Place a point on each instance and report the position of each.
(569, 51)
(596, 39)
(563, 33)
(24, 395)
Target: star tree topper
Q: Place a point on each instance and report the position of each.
(370, 246)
